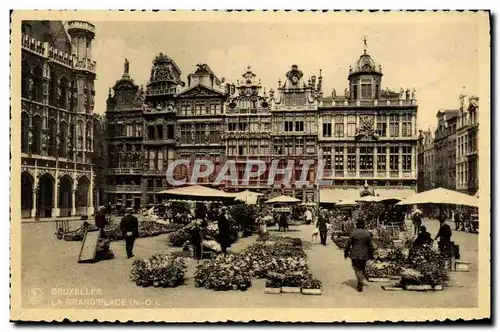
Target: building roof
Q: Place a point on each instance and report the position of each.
(449, 114)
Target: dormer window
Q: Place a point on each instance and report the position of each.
(366, 89)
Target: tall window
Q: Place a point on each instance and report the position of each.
(327, 127)
(351, 159)
(382, 125)
(25, 128)
(394, 159)
(366, 158)
(299, 125)
(160, 160)
(394, 125)
(231, 126)
(351, 125)
(159, 129)
(339, 126)
(242, 126)
(327, 158)
(381, 159)
(288, 125)
(406, 125)
(339, 159)
(299, 146)
(366, 89)
(407, 158)
(152, 160)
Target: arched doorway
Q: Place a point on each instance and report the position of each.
(65, 196)
(26, 194)
(45, 197)
(36, 93)
(82, 195)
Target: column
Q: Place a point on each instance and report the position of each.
(90, 194)
(413, 161)
(375, 161)
(73, 201)
(34, 196)
(400, 127)
(357, 161)
(55, 208)
(400, 160)
(387, 161)
(414, 130)
(345, 160)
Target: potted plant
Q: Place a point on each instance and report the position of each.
(311, 286)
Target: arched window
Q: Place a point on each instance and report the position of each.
(37, 135)
(63, 147)
(79, 135)
(36, 93)
(25, 128)
(63, 98)
(52, 138)
(53, 89)
(25, 84)
(89, 136)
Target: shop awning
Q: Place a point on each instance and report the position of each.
(396, 194)
(334, 195)
(282, 200)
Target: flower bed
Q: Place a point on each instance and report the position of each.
(426, 267)
(223, 273)
(163, 270)
(147, 228)
(179, 238)
(340, 241)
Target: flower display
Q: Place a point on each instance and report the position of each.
(147, 228)
(223, 273)
(382, 269)
(180, 237)
(429, 263)
(160, 270)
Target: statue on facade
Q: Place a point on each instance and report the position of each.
(334, 94)
(30, 85)
(407, 94)
(346, 93)
(401, 93)
(413, 94)
(207, 131)
(126, 66)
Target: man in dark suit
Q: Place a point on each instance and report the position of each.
(322, 226)
(223, 225)
(129, 226)
(359, 249)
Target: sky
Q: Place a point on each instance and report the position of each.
(439, 59)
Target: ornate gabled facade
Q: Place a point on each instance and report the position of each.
(368, 135)
(426, 161)
(294, 130)
(57, 120)
(247, 130)
(124, 144)
(445, 148)
(200, 122)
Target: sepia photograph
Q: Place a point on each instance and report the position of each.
(250, 166)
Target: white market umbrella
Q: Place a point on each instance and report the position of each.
(282, 200)
(441, 196)
(346, 202)
(247, 196)
(196, 191)
(368, 199)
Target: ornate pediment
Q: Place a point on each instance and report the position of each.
(366, 129)
(200, 91)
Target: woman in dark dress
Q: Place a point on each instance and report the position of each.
(223, 237)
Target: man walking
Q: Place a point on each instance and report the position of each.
(129, 226)
(359, 249)
(100, 220)
(322, 226)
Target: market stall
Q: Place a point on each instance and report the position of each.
(247, 196)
